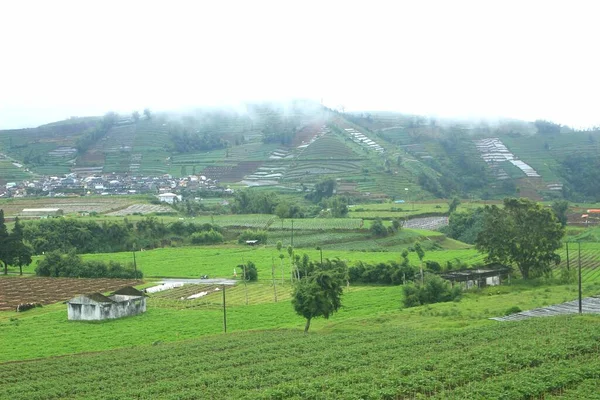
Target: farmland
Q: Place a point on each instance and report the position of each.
(368, 349)
(69, 205)
(14, 291)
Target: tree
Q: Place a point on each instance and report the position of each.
(560, 211)
(147, 113)
(249, 271)
(420, 253)
(22, 252)
(453, 205)
(318, 295)
(522, 233)
(5, 247)
(136, 116)
(378, 229)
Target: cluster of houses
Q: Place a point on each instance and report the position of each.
(108, 184)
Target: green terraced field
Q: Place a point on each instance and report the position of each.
(370, 349)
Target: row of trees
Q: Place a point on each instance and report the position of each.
(57, 264)
(111, 236)
(263, 202)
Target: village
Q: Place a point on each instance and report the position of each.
(73, 184)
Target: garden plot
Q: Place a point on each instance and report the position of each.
(63, 152)
(69, 205)
(141, 209)
(361, 139)
(271, 173)
(429, 223)
(280, 154)
(15, 291)
(494, 152)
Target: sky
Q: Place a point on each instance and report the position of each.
(469, 59)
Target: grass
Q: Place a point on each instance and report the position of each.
(219, 260)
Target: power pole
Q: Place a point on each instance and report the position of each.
(245, 280)
(292, 233)
(224, 312)
(134, 266)
(568, 265)
(273, 277)
(579, 262)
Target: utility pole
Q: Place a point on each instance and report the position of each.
(273, 277)
(134, 266)
(579, 262)
(224, 312)
(568, 265)
(292, 233)
(245, 280)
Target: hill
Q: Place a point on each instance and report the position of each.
(294, 146)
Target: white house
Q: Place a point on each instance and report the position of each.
(95, 306)
(169, 198)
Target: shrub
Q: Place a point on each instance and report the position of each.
(71, 265)
(260, 236)
(204, 237)
(433, 290)
(249, 271)
(512, 310)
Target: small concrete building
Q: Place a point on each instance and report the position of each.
(124, 302)
(169, 198)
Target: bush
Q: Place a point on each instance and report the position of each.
(382, 273)
(260, 236)
(433, 290)
(209, 237)
(249, 271)
(378, 229)
(512, 310)
(70, 265)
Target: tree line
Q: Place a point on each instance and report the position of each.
(66, 234)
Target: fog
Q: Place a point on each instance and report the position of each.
(461, 59)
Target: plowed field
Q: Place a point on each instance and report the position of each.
(14, 291)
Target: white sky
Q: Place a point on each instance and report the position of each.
(520, 59)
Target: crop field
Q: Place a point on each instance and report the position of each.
(219, 261)
(141, 209)
(329, 147)
(408, 208)
(258, 293)
(9, 172)
(69, 205)
(231, 173)
(311, 170)
(318, 224)
(14, 291)
(370, 349)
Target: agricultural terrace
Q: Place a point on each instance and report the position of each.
(329, 147)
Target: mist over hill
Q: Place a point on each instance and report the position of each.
(291, 146)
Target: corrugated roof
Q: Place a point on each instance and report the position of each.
(129, 291)
(99, 298)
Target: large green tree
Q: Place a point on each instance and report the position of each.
(560, 208)
(22, 252)
(13, 251)
(522, 233)
(5, 248)
(319, 294)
